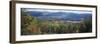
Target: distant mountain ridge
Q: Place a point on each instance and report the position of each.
(60, 15)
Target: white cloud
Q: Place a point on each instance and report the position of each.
(48, 10)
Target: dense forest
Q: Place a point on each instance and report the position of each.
(31, 25)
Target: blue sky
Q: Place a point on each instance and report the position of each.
(57, 10)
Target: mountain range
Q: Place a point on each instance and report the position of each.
(60, 15)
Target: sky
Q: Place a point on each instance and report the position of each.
(56, 10)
